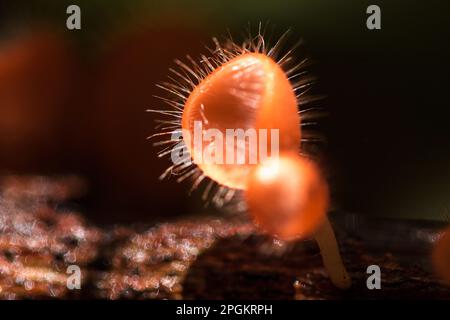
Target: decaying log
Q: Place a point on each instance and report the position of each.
(197, 257)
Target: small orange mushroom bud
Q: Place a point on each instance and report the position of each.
(287, 197)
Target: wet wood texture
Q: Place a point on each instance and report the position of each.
(193, 258)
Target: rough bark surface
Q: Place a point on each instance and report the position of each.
(196, 258)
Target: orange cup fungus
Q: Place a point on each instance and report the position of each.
(248, 88)
(250, 91)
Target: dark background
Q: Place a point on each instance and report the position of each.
(74, 101)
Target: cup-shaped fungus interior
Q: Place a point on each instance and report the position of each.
(243, 112)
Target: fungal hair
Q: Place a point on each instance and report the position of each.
(186, 75)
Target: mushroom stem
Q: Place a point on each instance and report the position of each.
(331, 257)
